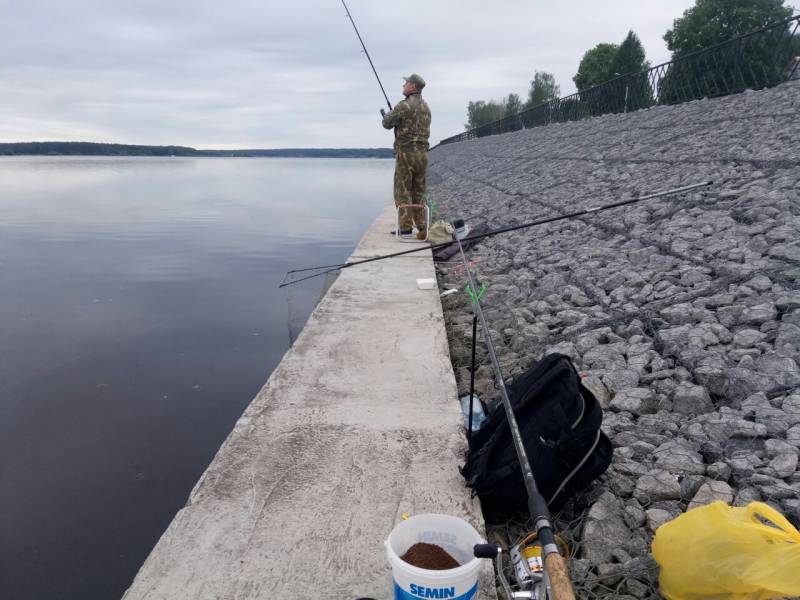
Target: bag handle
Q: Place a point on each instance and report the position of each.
(757, 512)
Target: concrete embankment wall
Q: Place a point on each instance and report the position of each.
(357, 425)
(683, 314)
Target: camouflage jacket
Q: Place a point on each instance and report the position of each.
(411, 120)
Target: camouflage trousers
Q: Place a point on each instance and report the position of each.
(409, 185)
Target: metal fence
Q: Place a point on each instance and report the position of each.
(759, 59)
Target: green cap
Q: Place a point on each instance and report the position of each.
(416, 80)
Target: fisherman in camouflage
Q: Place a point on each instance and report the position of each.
(411, 120)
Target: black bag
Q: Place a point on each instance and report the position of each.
(559, 421)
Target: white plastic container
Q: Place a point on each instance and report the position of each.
(426, 283)
(477, 412)
(454, 535)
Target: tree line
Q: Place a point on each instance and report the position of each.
(707, 23)
(99, 149)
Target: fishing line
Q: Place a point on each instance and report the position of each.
(349, 16)
(497, 231)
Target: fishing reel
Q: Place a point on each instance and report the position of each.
(526, 576)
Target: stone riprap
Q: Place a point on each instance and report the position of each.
(682, 313)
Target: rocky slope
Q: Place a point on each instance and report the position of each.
(682, 313)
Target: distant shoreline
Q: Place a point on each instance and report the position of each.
(98, 149)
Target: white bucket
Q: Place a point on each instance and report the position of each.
(454, 535)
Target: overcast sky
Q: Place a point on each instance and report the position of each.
(269, 74)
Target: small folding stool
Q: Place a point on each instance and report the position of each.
(427, 210)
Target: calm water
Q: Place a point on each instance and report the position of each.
(139, 315)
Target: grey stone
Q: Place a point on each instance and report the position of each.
(778, 490)
(723, 334)
(657, 485)
(743, 381)
(644, 450)
(702, 336)
(784, 465)
(793, 436)
(630, 467)
(753, 402)
(634, 400)
(747, 338)
(760, 283)
(760, 313)
(620, 379)
(730, 315)
(720, 300)
(788, 252)
(791, 409)
(634, 515)
(677, 457)
(776, 447)
(679, 314)
(747, 495)
(719, 471)
(788, 335)
(673, 338)
(638, 589)
(776, 420)
(744, 466)
(714, 379)
(656, 517)
(691, 399)
(605, 357)
(783, 369)
(609, 574)
(690, 484)
(579, 570)
(604, 529)
(595, 385)
(788, 302)
(712, 491)
(565, 348)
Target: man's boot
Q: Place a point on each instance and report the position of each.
(403, 232)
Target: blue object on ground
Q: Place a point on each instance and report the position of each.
(477, 412)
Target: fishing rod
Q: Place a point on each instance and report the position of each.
(330, 269)
(537, 506)
(349, 16)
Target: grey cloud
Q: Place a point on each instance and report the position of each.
(278, 74)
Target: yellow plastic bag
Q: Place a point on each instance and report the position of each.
(717, 551)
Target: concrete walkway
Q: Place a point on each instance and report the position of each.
(357, 425)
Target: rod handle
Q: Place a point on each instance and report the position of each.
(559, 580)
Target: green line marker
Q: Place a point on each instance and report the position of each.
(472, 293)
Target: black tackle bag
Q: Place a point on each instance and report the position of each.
(559, 420)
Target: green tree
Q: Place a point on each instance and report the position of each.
(753, 62)
(621, 67)
(711, 22)
(482, 113)
(634, 90)
(596, 66)
(512, 105)
(629, 57)
(543, 88)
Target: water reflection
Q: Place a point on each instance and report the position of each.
(139, 314)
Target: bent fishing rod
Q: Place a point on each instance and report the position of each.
(537, 506)
(332, 268)
(349, 16)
